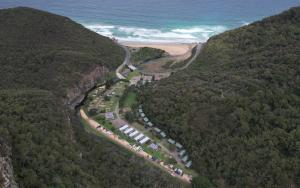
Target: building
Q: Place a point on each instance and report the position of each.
(132, 68)
(182, 152)
(179, 171)
(123, 127)
(188, 164)
(150, 124)
(144, 140)
(138, 137)
(153, 146)
(185, 158)
(157, 130)
(171, 141)
(179, 146)
(146, 119)
(109, 116)
(163, 135)
(140, 111)
(142, 115)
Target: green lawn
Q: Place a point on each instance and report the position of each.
(133, 74)
(130, 99)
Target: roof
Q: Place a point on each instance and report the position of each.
(146, 119)
(133, 133)
(123, 127)
(153, 146)
(171, 141)
(142, 115)
(131, 67)
(157, 130)
(179, 146)
(163, 134)
(144, 140)
(188, 164)
(128, 130)
(140, 110)
(109, 115)
(139, 137)
(150, 124)
(182, 152)
(185, 158)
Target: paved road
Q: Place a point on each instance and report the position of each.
(125, 62)
(198, 50)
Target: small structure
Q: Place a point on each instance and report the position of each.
(188, 164)
(157, 130)
(143, 115)
(182, 152)
(179, 171)
(163, 135)
(185, 158)
(146, 119)
(171, 141)
(179, 146)
(131, 67)
(133, 133)
(129, 130)
(123, 127)
(144, 140)
(153, 146)
(140, 111)
(150, 124)
(138, 137)
(109, 116)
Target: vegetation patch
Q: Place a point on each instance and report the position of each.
(146, 54)
(236, 109)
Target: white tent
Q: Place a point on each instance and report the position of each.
(128, 130)
(123, 127)
(133, 133)
(146, 139)
(139, 137)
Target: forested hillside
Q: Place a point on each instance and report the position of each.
(237, 108)
(42, 56)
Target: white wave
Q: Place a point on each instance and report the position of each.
(245, 23)
(139, 34)
(201, 29)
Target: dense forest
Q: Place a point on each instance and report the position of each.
(237, 108)
(41, 56)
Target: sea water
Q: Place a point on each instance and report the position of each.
(160, 20)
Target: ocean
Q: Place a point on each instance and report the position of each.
(160, 20)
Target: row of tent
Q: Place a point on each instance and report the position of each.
(134, 134)
(181, 151)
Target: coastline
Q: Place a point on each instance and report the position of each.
(174, 49)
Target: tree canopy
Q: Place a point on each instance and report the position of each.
(237, 108)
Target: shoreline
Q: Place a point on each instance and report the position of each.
(173, 48)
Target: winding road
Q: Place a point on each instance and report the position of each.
(125, 62)
(168, 73)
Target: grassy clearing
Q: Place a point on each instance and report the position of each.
(130, 99)
(133, 74)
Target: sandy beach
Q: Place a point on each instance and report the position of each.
(174, 49)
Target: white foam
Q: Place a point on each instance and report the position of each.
(139, 34)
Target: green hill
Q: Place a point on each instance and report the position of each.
(46, 61)
(237, 108)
